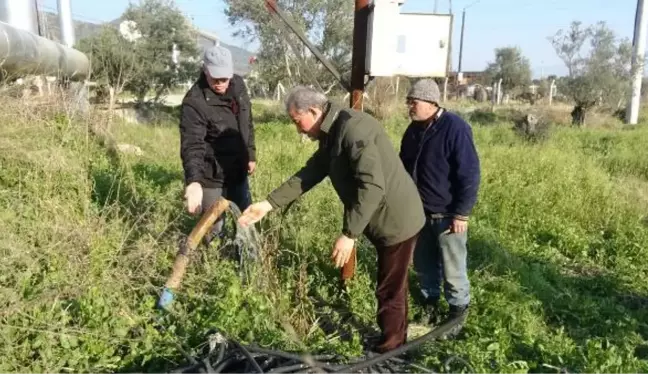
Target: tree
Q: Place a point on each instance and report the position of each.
(600, 77)
(282, 57)
(512, 67)
(161, 26)
(113, 63)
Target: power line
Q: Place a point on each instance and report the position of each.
(77, 15)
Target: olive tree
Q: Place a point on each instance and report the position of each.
(512, 67)
(601, 75)
(112, 61)
(161, 26)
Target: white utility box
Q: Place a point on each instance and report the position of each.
(407, 44)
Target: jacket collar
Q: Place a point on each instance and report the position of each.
(436, 116)
(330, 115)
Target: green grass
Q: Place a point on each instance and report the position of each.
(558, 248)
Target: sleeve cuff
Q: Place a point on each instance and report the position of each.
(272, 202)
(191, 180)
(349, 234)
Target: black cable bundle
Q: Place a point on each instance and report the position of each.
(229, 356)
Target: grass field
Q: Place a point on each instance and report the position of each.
(558, 249)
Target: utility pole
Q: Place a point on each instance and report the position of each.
(461, 40)
(436, 5)
(638, 58)
(451, 40)
(463, 22)
(360, 19)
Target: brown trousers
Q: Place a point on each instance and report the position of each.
(392, 291)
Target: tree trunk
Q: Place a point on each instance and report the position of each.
(578, 115)
(111, 98)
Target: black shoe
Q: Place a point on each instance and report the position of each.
(432, 312)
(456, 311)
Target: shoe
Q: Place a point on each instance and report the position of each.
(455, 312)
(433, 312)
(458, 310)
(430, 315)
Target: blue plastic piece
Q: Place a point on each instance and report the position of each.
(166, 298)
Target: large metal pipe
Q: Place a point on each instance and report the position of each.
(20, 14)
(66, 23)
(23, 53)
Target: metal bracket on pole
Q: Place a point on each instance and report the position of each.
(274, 9)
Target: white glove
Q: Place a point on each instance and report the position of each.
(194, 195)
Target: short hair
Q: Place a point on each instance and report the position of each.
(301, 98)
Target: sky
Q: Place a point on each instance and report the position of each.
(489, 24)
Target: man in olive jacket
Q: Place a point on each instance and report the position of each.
(379, 197)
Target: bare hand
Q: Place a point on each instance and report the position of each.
(342, 250)
(254, 213)
(251, 167)
(194, 195)
(459, 226)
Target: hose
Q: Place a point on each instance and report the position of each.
(182, 258)
(246, 240)
(434, 334)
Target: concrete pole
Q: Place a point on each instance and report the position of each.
(445, 90)
(66, 24)
(552, 88)
(499, 92)
(638, 57)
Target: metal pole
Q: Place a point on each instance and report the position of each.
(274, 9)
(638, 53)
(65, 22)
(359, 52)
(20, 14)
(436, 5)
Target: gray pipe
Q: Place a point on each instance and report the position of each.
(23, 53)
(66, 23)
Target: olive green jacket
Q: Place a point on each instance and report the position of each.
(379, 197)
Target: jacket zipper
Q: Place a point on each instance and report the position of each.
(422, 142)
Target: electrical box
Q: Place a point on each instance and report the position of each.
(407, 44)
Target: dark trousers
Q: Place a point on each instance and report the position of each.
(238, 194)
(392, 292)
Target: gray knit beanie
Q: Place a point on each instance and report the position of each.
(426, 90)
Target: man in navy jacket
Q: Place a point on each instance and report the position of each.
(438, 152)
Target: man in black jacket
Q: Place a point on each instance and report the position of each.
(439, 153)
(217, 136)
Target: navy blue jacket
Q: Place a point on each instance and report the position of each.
(443, 161)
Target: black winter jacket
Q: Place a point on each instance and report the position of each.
(216, 134)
